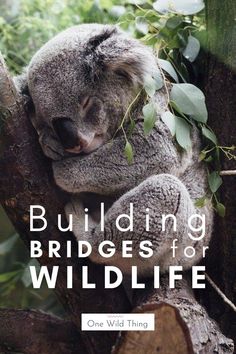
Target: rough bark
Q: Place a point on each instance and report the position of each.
(182, 325)
(34, 332)
(25, 179)
(220, 88)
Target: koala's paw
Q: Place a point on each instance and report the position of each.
(63, 175)
(50, 145)
(76, 209)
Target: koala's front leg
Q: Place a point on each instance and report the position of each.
(75, 210)
(161, 194)
(50, 144)
(106, 170)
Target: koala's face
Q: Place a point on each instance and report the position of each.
(81, 84)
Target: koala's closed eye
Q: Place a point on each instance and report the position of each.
(84, 102)
(123, 74)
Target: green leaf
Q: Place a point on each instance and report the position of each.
(150, 86)
(201, 202)
(192, 49)
(168, 67)
(208, 159)
(183, 133)
(209, 135)
(185, 7)
(220, 208)
(149, 117)
(7, 245)
(169, 119)
(4, 277)
(136, 2)
(141, 25)
(129, 152)
(26, 276)
(131, 127)
(153, 83)
(158, 79)
(214, 181)
(190, 100)
(117, 11)
(202, 156)
(174, 22)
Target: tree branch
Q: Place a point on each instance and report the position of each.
(33, 332)
(26, 179)
(228, 173)
(182, 325)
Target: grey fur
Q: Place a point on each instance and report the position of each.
(103, 63)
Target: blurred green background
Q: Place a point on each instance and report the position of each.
(175, 32)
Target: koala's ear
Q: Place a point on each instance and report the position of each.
(114, 50)
(99, 38)
(21, 83)
(135, 62)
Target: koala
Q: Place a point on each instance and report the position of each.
(82, 83)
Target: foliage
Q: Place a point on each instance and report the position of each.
(176, 31)
(15, 284)
(28, 24)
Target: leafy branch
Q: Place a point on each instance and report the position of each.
(177, 32)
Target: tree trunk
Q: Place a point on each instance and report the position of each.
(220, 88)
(26, 179)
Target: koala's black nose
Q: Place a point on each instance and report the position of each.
(67, 132)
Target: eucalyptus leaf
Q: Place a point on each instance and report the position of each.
(150, 86)
(184, 7)
(202, 156)
(137, 2)
(117, 11)
(149, 114)
(7, 245)
(208, 159)
(174, 22)
(153, 83)
(209, 135)
(169, 119)
(168, 67)
(4, 277)
(220, 208)
(131, 127)
(158, 79)
(129, 152)
(192, 49)
(201, 202)
(183, 130)
(141, 25)
(214, 181)
(190, 100)
(26, 276)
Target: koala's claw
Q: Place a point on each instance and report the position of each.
(76, 209)
(50, 146)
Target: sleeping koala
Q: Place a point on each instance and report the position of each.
(81, 83)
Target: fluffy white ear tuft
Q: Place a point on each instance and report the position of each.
(136, 62)
(114, 50)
